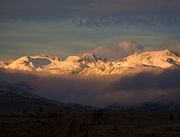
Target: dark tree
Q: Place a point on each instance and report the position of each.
(98, 115)
(171, 117)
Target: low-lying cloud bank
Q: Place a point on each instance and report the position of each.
(127, 89)
(165, 80)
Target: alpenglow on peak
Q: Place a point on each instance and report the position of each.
(89, 64)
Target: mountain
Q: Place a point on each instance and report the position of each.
(2, 64)
(18, 98)
(90, 64)
(12, 101)
(30, 63)
(161, 59)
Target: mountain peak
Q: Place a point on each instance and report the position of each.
(91, 64)
(92, 57)
(168, 52)
(72, 59)
(162, 58)
(29, 63)
(89, 57)
(2, 64)
(45, 56)
(165, 52)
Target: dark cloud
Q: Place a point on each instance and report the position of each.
(61, 8)
(118, 6)
(40, 8)
(165, 80)
(129, 89)
(70, 89)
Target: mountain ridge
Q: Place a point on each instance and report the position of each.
(90, 64)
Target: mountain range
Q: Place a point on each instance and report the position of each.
(90, 64)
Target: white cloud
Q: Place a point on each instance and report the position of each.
(117, 50)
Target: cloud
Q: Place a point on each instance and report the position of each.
(119, 6)
(117, 50)
(127, 89)
(151, 86)
(62, 8)
(165, 80)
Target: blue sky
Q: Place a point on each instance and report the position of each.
(65, 27)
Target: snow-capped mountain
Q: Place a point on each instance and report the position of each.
(2, 64)
(89, 64)
(161, 59)
(33, 63)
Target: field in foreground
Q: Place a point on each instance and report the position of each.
(91, 124)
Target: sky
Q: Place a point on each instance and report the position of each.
(66, 27)
(109, 28)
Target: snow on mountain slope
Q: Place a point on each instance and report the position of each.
(30, 63)
(89, 64)
(161, 59)
(91, 58)
(2, 65)
(77, 64)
